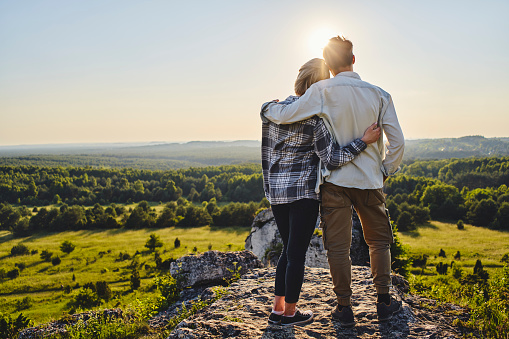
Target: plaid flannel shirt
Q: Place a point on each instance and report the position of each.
(291, 154)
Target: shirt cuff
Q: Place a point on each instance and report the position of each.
(264, 109)
(359, 146)
(387, 173)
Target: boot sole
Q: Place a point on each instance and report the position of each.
(390, 316)
(302, 322)
(343, 324)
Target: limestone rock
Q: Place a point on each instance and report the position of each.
(244, 311)
(212, 267)
(265, 242)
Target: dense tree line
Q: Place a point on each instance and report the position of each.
(474, 190)
(471, 173)
(23, 222)
(413, 200)
(30, 185)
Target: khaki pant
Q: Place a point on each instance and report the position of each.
(336, 218)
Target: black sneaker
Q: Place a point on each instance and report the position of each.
(385, 312)
(345, 316)
(275, 319)
(299, 318)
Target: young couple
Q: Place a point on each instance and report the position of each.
(303, 162)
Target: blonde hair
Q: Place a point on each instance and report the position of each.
(312, 71)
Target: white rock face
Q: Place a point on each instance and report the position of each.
(316, 256)
(212, 267)
(264, 236)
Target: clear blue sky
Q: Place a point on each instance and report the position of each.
(118, 71)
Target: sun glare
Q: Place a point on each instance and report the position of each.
(319, 38)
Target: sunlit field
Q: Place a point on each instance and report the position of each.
(96, 259)
(473, 243)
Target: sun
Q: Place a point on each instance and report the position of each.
(318, 38)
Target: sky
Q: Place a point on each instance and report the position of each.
(135, 71)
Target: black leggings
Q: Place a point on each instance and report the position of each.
(296, 223)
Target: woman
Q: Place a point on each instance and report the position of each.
(290, 161)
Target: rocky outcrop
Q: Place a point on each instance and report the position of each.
(265, 242)
(243, 312)
(212, 267)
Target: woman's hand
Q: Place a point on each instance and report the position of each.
(372, 134)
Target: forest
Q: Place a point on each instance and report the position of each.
(472, 190)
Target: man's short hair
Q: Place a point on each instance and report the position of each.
(312, 71)
(338, 53)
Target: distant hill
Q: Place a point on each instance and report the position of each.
(464, 147)
(164, 156)
(154, 156)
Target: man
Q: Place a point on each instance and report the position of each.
(349, 105)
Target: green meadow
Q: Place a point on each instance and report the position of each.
(96, 258)
(473, 243)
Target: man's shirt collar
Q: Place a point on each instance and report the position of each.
(349, 74)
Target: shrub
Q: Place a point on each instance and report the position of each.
(457, 272)
(195, 249)
(13, 274)
(177, 243)
(442, 268)
(67, 289)
(480, 271)
(442, 253)
(457, 256)
(24, 304)
(32, 252)
(399, 262)
(405, 221)
(153, 242)
(3, 274)
(460, 225)
(131, 326)
(420, 261)
(103, 290)
(67, 247)
(19, 249)
(123, 256)
(209, 247)
(10, 327)
(85, 299)
(135, 280)
(505, 258)
(168, 286)
(46, 255)
(56, 261)
(21, 266)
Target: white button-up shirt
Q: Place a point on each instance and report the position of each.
(349, 106)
